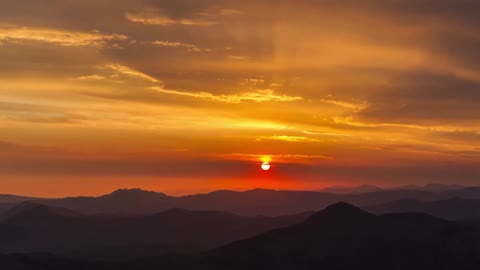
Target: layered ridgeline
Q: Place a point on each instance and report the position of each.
(341, 236)
(30, 227)
(252, 202)
(132, 223)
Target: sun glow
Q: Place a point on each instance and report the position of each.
(266, 158)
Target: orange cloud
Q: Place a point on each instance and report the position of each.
(56, 36)
(256, 96)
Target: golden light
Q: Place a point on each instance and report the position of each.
(265, 166)
(265, 159)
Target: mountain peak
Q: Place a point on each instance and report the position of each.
(342, 207)
(338, 212)
(134, 192)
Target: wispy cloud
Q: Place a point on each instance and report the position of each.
(131, 72)
(255, 96)
(156, 19)
(187, 46)
(356, 106)
(277, 158)
(205, 17)
(288, 138)
(238, 57)
(91, 77)
(56, 36)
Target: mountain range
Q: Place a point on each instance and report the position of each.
(437, 227)
(451, 209)
(29, 227)
(249, 203)
(341, 236)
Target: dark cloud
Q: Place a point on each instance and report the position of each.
(425, 98)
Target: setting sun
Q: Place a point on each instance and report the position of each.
(265, 166)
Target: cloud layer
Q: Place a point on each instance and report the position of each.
(319, 86)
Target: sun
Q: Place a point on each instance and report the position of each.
(265, 166)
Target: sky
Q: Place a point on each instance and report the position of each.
(192, 96)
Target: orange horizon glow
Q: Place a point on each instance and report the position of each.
(196, 97)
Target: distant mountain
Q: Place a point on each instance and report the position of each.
(453, 209)
(122, 201)
(7, 198)
(432, 187)
(39, 228)
(339, 237)
(351, 190)
(12, 210)
(251, 203)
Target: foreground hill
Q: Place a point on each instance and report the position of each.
(339, 237)
(252, 202)
(345, 237)
(38, 228)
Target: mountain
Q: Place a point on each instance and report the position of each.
(432, 187)
(5, 207)
(339, 237)
(251, 202)
(345, 237)
(452, 209)
(40, 228)
(122, 201)
(351, 190)
(31, 207)
(7, 198)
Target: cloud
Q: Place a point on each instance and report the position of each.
(277, 158)
(189, 47)
(91, 77)
(346, 104)
(229, 12)
(252, 82)
(61, 37)
(238, 57)
(163, 20)
(25, 112)
(288, 138)
(421, 97)
(256, 96)
(131, 72)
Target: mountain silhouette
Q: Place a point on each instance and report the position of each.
(251, 202)
(351, 190)
(32, 208)
(40, 228)
(452, 209)
(339, 237)
(122, 201)
(433, 187)
(345, 237)
(7, 198)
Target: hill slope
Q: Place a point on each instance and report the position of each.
(44, 229)
(340, 237)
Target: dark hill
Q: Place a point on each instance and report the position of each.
(345, 237)
(340, 237)
(38, 228)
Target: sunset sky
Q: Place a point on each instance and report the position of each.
(191, 96)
